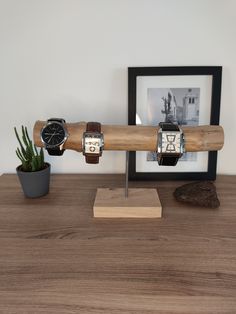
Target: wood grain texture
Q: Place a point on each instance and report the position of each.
(141, 203)
(56, 258)
(139, 138)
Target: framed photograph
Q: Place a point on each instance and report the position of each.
(184, 95)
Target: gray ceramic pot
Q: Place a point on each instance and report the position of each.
(35, 184)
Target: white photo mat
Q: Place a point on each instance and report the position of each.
(204, 83)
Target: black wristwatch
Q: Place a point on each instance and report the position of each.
(54, 135)
(170, 144)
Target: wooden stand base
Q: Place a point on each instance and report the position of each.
(141, 203)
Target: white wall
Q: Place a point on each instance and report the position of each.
(69, 58)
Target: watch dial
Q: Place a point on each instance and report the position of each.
(53, 134)
(170, 142)
(92, 144)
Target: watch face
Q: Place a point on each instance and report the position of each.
(53, 134)
(92, 144)
(170, 142)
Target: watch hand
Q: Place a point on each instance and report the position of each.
(51, 137)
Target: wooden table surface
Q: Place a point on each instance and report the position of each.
(56, 258)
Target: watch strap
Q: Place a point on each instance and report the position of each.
(92, 127)
(57, 120)
(167, 126)
(55, 151)
(92, 159)
(167, 160)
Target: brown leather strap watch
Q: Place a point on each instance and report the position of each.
(93, 142)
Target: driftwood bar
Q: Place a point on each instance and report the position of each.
(139, 138)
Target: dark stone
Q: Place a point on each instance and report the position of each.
(198, 193)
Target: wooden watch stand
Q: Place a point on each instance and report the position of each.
(137, 202)
(127, 203)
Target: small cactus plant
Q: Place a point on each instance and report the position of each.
(30, 158)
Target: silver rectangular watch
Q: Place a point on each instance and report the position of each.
(93, 142)
(170, 144)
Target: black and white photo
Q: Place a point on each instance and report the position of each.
(175, 105)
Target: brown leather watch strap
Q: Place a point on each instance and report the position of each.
(92, 127)
(92, 159)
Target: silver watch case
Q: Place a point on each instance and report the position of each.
(61, 144)
(182, 144)
(93, 135)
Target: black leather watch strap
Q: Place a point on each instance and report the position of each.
(57, 120)
(167, 126)
(55, 151)
(167, 160)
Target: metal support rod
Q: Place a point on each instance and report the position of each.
(127, 175)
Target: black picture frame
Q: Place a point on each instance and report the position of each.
(216, 73)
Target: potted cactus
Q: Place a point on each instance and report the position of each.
(34, 172)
